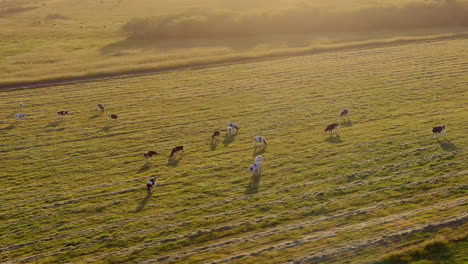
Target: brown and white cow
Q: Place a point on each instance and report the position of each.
(148, 155)
(216, 136)
(176, 150)
(438, 130)
(100, 107)
(112, 117)
(62, 113)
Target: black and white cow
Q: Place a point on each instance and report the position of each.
(260, 139)
(258, 159)
(112, 117)
(177, 150)
(332, 128)
(148, 155)
(62, 113)
(438, 130)
(150, 185)
(100, 107)
(256, 167)
(233, 126)
(229, 132)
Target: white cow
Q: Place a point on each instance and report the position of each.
(229, 131)
(234, 125)
(260, 139)
(20, 116)
(259, 159)
(255, 169)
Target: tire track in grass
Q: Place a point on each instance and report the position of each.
(181, 255)
(381, 240)
(354, 227)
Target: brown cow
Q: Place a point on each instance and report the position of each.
(332, 128)
(344, 113)
(176, 150)
(113, 117)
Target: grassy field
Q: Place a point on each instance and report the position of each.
(56, 39)
(73, 190)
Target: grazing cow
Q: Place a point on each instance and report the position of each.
(150, 185)
(259, 159)
(100, 107)
(20, 116)
(229, 132)
(345, 113)
(438, 130)
(332, 128)
(148, 155)
(260, 139)
(215, 137)
(176, 150)
(255, 169)
(112, 117)
(62, 113)
(234, 125)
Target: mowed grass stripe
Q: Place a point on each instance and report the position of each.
(289, 101)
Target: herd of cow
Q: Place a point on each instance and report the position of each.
(232, 129)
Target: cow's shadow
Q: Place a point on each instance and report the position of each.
(228, 140)
(253, 184)
(347, 123)
(334, 139)
(54, 124)
(95, 116)
(259, 151)
(213, 145)
(173, 162)
(106, 128)
(9, 127)
(143, 203)
(144, 168)
(446, 145)
(56, 130)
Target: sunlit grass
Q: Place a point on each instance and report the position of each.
(73, 190)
